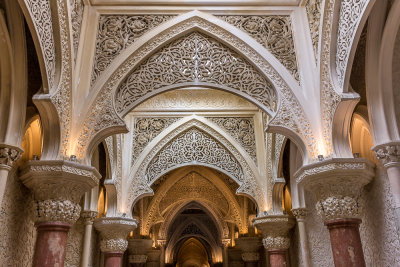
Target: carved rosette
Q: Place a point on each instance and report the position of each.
(89, 216)
(9, 155)
(337, 185)
(113, 232)
(58, 186)
(275, 230)
(388, 154)
(300, 213)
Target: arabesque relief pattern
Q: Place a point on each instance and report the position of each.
(145, 130)
(313, 8)
(77, 7)
(241, 129)
(193, 146)
(116, 33)
(272, 32)
(195, 58)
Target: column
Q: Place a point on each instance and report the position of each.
(250, 250)
(389, 155)
(300, 214)
(337, 185)
(8, 156)
(162, 244)
(58, 187)
(225, 244)
(153, 258)
(88, 217)
(138, 249)
(275, 230)
(114, 232)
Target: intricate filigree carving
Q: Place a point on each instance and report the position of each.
(300, 213)
(57, 211)
(145, 130)
(9, 155)
(339, 207)
(313, 8)
(116, 33)
(77, 7)
(194, 58)
(388, 153)
(89, 216)
(274, 33)
(275, 229)
(194, 146)
(242, 130)
(350, 15)
(277, 242)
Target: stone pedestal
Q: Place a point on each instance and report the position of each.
(57, 187)
(114, 232)
(275, 230)
(337, 185)
(250, 250)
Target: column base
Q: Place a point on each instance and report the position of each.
(277, 257)
(51, 242)
(113, 258)
(346, 242)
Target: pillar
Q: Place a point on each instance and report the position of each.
(337, 185)
(88, 217)
(162, 244)
(153, 257)
(275, 230)
(138, 251)
(300, 214)
(389, 156)
(225, 244)
(58, 187)
(9, 155)
(250, 250)
(114, 232)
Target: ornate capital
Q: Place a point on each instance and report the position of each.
(137, 258)
(337, 185)
(162, 243)
(388, 153)
(275, 230)
(113, 232)
(226, 242)
(250, 256)
(89, 216)
(300, 213)
(59, 179)
(9, 155)
(57, 211)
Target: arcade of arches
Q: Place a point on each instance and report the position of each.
(198, 133)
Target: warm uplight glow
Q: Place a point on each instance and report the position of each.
(33, 141)
(102, 203)
(361, 139)
(321, 148)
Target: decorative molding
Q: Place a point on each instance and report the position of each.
(351, 12)
(313, 8)
(241, 129)
(77, 7)
(57, 211)
(145, 130)
(116, 33)
(194, 58)
(274, 33)
(9, 155)
(388, 153)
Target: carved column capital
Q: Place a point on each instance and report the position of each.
(275, 230)
(113, 232)
(89, 216)
(300, 213)
(337, 185)
(58, 186)
(226, 242)
(388, 154)
(9, 155)
(162, 242)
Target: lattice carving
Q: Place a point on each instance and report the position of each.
(116, 33)
(313, 8)
(350, 15)
(145, 130)
(194, 58)
(192, 229)
(77, 7)
(242, 130)
(193, 146)
(274, 33)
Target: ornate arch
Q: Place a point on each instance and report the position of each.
(138, 185)
(102, 119)
(167, 185)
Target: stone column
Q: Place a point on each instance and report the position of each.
(250, 250)
(337, 185)
(138, 251)
(225, 244)
(58, 187)
(162, 244)
(300, 214)
(88, 217)
(275, 230)
(389, 155)
(8, 156)
(114, 232)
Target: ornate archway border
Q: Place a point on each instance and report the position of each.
(103, 120)
(138, 186)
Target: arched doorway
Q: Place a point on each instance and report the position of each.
(192, 254)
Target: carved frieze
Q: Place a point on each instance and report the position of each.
(194, 58)
(274, 33)
(313, 8)
(145, 130)
(241, 129)
(116, 33)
